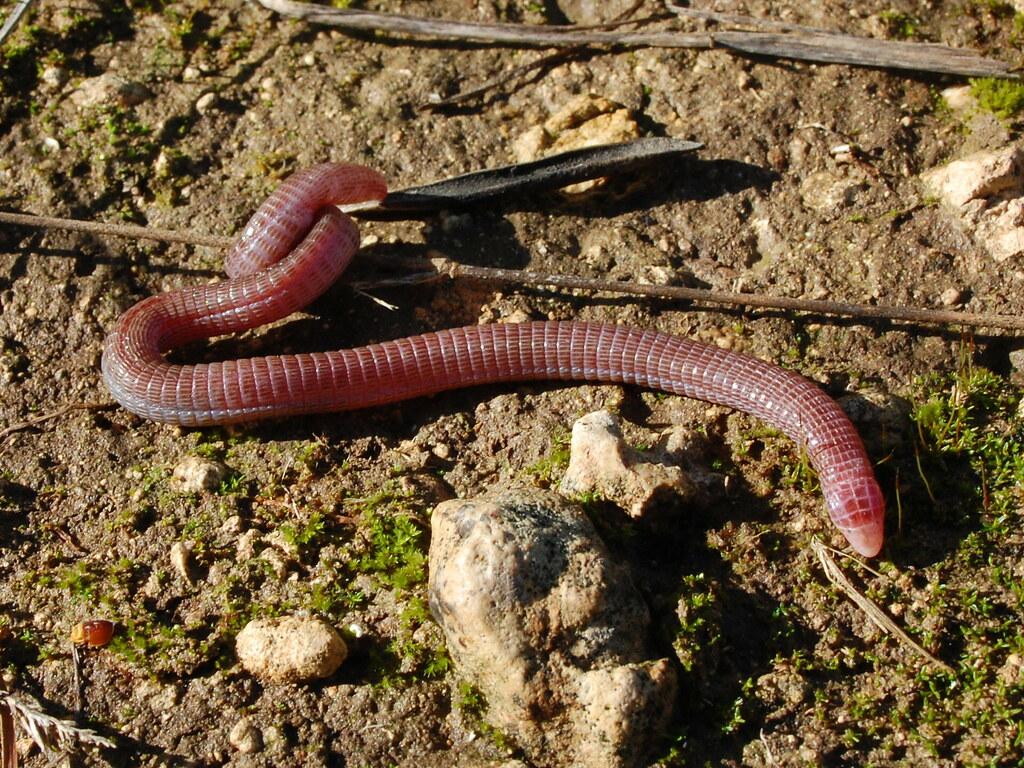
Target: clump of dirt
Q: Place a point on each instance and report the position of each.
(808, 187)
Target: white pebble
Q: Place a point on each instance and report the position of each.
(291, 649)
(206, 102)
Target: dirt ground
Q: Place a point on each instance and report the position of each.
(777, 666)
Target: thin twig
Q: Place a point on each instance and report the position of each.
(36, 420)
(833, 48)
(12, 21)
(547, 60)
(454, 270)
(130, 231)
(835, 575)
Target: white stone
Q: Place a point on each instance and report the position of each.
(194, 474)
(1001, 229)
(54, 77)
(959, 98)
(951, 297)
(246, 737)
(978, 176)
(601, 461)
(290, 649)
(206, 102)
(181, 559)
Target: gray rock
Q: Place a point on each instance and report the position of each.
(291, 649)
(550, 629)
(601, 461)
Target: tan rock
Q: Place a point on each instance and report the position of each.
(978, 176)
(194, 474)
(601, 461)
(110, 89)
(587, 120)
(549, 627)
(291, 649)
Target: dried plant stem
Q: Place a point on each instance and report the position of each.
(547, 60)
(447, 268)
(835, 575)
(44, 417)
(51, 734)
(12, 20)
(833, 48)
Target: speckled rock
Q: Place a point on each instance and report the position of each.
(985, 190)
(550, 628)
(246, 737)
(601, 461)
(978, 176)
(110, 89)
(194, 474)
(291, 649)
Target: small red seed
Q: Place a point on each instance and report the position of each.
(95, 633)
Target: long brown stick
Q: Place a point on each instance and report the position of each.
(454, 270)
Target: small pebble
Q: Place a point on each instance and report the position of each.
(54, 77)
(181, 559)
(246, 547)
(206, 102)
(195, 474)
(290, 649)
(951, 297)
(232, 526)
(246, 737)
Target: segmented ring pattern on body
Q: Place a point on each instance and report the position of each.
(296, 246)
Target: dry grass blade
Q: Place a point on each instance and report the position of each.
(12, 21)
(8, 749)
(805, 46)
(49, 733)
(35, 420)
(835, 574)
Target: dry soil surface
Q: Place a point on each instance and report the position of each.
(329, 514)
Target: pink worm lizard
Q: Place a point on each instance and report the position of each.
(297, 244)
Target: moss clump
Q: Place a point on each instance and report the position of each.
(901, 26)
(1003, 98)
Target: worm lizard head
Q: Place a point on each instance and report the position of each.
(860, 514)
